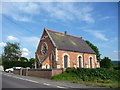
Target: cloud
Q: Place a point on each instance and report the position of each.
(105, 18)
(97, 34)
(115, 51)
(25, 52)
(31, 41)
(12, 38)
(62, 11)
(20, 11)
(2, 44)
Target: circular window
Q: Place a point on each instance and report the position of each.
(44, 49)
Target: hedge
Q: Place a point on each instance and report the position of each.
(86, 74)
(10, 64)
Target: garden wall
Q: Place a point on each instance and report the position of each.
(42, 73)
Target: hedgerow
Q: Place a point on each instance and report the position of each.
(10, 64)
(88, 74)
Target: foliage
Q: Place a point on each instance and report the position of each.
(95, 49)
(116, 66)
(96, 75)
(32, 60)
(23, 59)
(106, 62)
(11, 51)
(10, 64)
(0, 60)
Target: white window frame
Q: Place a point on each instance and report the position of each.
(89, 61)
(81, 61)
(68, 59)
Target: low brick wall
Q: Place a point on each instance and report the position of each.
(57, 71)
(42, 73)
(16, 72)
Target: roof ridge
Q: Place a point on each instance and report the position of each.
(64, 34)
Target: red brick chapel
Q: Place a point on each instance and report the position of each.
(60, 50)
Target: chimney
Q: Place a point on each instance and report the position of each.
(65, 32)
(81, 38)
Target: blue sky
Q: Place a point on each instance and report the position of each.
(94, 21)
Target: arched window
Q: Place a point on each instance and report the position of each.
(90, 62)
(80, 61)
(44, 49)
(53, 60)
(46, 66)
(37, 64)
(65, 61)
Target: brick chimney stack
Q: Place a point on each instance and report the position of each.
(65, 32)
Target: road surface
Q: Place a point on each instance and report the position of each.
(9, 81)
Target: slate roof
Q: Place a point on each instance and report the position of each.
(69, 42)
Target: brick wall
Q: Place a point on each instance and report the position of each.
(42, 73)
(73, 56)
(16, 72)
(49, 51)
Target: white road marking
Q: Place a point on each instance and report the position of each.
(60, 87)
(46, 84)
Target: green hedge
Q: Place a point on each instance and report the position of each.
(88, 74)
(10, 64)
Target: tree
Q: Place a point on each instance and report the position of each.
(11, 51)
(32, 60)
(23, 59)
(0, 59)
(106, 62)
(95, 49)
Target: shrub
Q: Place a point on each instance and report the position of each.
(10, 64)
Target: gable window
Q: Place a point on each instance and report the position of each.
(90, 62)
(65, 61)
(44, 49)
(80, 61)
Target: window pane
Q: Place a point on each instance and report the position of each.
(65, 61)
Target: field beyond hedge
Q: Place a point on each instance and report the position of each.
(95, 76)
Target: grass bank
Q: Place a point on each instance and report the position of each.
(94, 77)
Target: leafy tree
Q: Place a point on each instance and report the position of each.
(106, 62)
(23, 59)
(32, 60)
(11, 51)
(95, 49)
(0, 59)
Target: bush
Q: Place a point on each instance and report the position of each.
(10, 64)
(88, 74)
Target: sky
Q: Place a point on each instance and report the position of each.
(24, 22)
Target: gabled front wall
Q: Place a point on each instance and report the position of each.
(49, 51)
(73, 57)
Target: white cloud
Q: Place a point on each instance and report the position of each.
(97, 34)
(33, 41)
(105, 18)
(20, 11)
(25, 52)
(12, 38)
(115, 51)
(58, 11)
(2, 44)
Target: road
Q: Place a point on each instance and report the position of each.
(9, 81)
